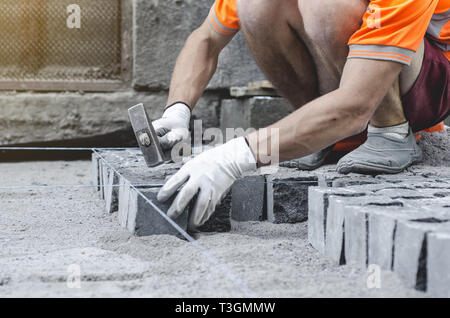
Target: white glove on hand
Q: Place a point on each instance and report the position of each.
(173, 126)
(209, 175)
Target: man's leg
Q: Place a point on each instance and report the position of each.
(276, 36)
(391, 146)
(282, 35)
(269, 30)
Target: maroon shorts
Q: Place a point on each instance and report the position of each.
(428, 101)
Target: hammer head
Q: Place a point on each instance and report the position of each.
(145, 134)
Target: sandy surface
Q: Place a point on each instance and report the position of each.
(436, 148)
(45, 233)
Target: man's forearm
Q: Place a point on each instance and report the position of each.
(195, 66)
(332, 117)
(311, 128)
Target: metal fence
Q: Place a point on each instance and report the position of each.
(41, 42)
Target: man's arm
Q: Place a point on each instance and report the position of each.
(337, 115)
(194, 68)
(196, 64)
(332, 117)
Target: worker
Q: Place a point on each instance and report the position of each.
(345, 65)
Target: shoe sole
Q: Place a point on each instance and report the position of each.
(365, 168)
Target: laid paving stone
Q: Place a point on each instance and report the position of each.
(95, 172)
(112, 192)
(346, 228)
(248, 199)
(104, 176)
(371, 244)
(287, 195)
(399, 178)
(410, 194)
(383, 228)
(124, 196)
(128, 169)
(143, 219)
(429, 172)
(220, 220)
(347, 182)
(438, 264)
(411, 254)
(318, 212)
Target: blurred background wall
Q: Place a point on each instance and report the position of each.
(61, 84)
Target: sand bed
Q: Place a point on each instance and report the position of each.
(43, 233)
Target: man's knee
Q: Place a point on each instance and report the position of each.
(260, 15)
(331, 22)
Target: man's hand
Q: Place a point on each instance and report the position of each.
(173, 126)
(208, 176)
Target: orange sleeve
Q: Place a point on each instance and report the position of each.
(392, 30)
(223, 17)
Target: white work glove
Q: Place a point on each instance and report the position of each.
(209, 175)
(173, 126)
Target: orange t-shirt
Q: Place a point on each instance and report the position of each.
(394, 29)
(223, 17)
(391, 29)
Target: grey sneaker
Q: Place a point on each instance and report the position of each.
(381, 154)
(310, 162)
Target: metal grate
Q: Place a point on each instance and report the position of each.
(37, 45)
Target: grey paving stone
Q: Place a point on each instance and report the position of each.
(131, 166)
(220, 220)
(105, 180)
(248, 199)
(430, 172)
(382, 230)
(95, 172)
(143, 219)
(377, 187)
(399, 178)
(356, 236)
(411, 255)
(247, 113)
(349, 228)
(410, 194)
(287, 195)
(102, 172)
(338, 246)
(349, 181)
(124, 198)
(318, 198)
(112, 192)
(427, 185)
(438, 264)
(327, 176)
(391, 226)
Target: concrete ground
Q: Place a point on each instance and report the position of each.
(48, 236)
